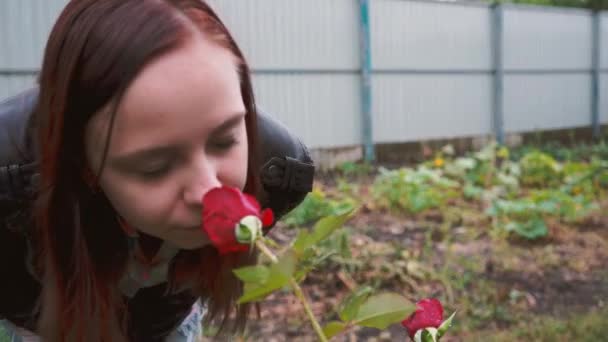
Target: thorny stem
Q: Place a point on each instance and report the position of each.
(297, 291)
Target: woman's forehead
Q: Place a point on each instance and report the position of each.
(183, 94)
(200, 76)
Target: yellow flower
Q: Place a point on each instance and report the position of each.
(503, 153)
(438, 162)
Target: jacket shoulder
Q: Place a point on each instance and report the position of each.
(15, 113)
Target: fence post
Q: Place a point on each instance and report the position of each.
(366, 86)
(595, 74)
(497, 49)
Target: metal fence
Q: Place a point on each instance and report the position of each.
(360, 72)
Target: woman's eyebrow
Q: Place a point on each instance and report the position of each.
(140, 156)
(229, 123)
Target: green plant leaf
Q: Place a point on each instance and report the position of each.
(548, 207)
(445, 325)
(5, 336)
(470, 191)
(333, 328)
(532, 229)
(286, 265)
(431, 333)
(278, 276)
(426, 335)
(255, 292)
(322, 229)
(253, 274)
(380, 311)
(350, 306)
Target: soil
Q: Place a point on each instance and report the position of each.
(561, 275)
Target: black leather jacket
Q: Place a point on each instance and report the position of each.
(286, 175)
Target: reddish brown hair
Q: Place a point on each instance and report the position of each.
(95, 50)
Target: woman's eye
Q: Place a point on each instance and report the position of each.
(224, 144)
(154, 173)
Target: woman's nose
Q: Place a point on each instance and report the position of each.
(204, 180)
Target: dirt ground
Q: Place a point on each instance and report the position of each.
(493, 282)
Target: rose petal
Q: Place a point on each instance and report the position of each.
(223, 208)
(267, 217)
(250, 202)
(220, 231)
(429, 313)
(230, 201)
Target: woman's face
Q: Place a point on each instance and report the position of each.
(179, 131)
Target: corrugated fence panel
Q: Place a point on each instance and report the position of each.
(305, 36)
(321, 109)
(546, 39)
(305, 57)
(12, 85)
(551, 40)
(294, 34)
(604, 68)
(604, 98)
(604, 41)
(430, 35)
(414, 36)
(24, 29)
(546, 101)
(415, 107)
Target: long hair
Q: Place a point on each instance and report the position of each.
(95, 50)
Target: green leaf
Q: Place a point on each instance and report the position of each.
(333, 328)
(248, 230)
(445, 325)
(350, 306)
(426, 335)
(548, 207)
(5, 335)
(287, 264)
(278, 276)
(470, 191)
(466, 163)
(380, 311)
(306, 265)
(532, 229)
(301, 243)
(254, 292)
(322, 229)
(253, 274)
(493, 210)
(431, 334)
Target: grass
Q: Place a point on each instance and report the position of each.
(588, 327)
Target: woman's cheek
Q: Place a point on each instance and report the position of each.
(138, 204)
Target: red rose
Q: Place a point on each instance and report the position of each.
(223, 209)
(429, 313)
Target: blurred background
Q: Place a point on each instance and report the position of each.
(472, 134)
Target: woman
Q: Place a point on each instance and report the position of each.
(143, 106)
